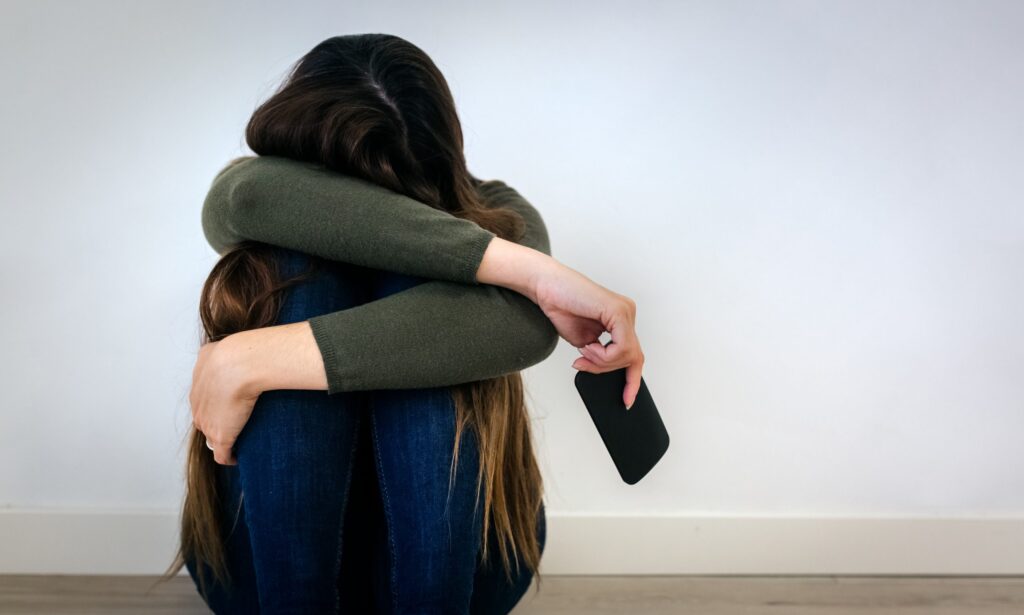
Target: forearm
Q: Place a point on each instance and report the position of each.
(437, 333)
(514, 266)
(278, 357)
(301, 206)
(434, 334)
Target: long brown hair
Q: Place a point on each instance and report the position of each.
(376, 107)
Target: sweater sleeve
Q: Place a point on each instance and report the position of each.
(303, 206)
(446, 331)
(439, 333)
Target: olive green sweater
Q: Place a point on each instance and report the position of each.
(449, 330)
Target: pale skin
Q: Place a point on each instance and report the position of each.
(230, 374)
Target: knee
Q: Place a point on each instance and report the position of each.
(316, 286)
(383, 283)
(291, 262)
(434, 585)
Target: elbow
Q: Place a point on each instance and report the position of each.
(512, 330)
(534, 334)
(547, 342)
(535, 344)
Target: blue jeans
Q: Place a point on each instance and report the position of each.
(346, 505)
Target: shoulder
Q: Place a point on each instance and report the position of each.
(243, 166)
(234, 163)
(497, 193)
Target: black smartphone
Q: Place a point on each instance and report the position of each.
(636, 438)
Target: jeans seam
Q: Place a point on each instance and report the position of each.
(453, 475)
(389, 530)
(344, 509)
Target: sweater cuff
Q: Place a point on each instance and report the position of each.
(329, 353)
(475, 255)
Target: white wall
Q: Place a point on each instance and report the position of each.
(817, 207)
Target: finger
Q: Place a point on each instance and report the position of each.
(196, 403)
(633, 374)
(221, 453)
(591, 338)
(595, 352)
(582, 331)
(580, 338)
(229, 453)
(612, 356)
(590, 331)
(623, 348)
(584, 365)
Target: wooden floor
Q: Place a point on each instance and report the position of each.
(571, 595)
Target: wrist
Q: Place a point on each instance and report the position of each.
(275, 357)
(241, 351)
(514, 266)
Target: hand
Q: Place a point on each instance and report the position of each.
(580, 309)
(222, 396)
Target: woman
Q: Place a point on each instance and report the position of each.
(356, 232)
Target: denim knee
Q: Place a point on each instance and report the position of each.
(328, 286)
(433, 532)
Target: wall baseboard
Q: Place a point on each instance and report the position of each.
(40, 541)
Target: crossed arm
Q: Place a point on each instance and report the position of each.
(408, 339)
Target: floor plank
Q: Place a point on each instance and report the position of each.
(593, 595)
